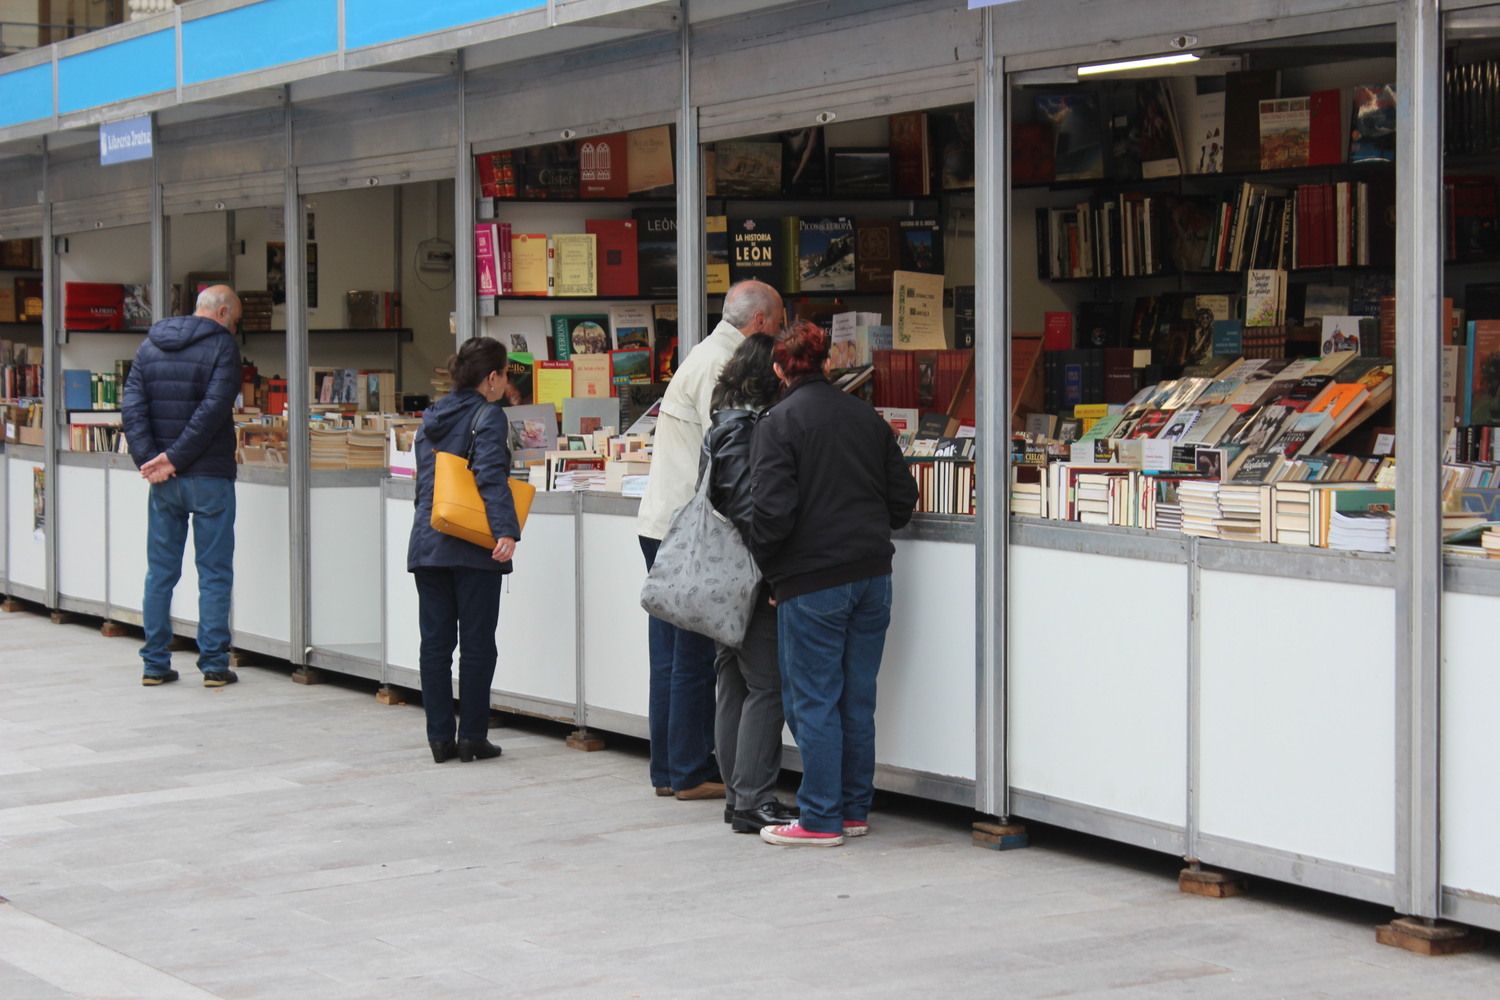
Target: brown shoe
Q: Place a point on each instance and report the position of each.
(664, 793)
(707, 790)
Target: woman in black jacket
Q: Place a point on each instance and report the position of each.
(829, 486)
(458, 583)
(748, 716)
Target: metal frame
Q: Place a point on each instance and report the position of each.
(1419, 563)
(299, 495)
(992, 404)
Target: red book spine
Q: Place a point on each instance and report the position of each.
(1325, 143)
(505, 257)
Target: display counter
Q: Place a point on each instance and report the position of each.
(572, 636)
(1156, 713)
(344, 567)
(26, 545)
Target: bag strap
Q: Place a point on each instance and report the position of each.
(479, 414)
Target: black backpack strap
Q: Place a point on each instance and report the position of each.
(480, 412)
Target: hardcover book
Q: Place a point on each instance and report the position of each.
(921, 245)
(825, 254)
(580, 335)
(486, 259)
(753, 250)
(1325, 142)
(716, 250)
(1077, 134)
(1340, 333)
(616, 242)
(1159, 144)
(876, 254)
(550, 171)
(664, 341)
(747, 169)
(648, 166)
(911, 171)
(602, 169)
(529, 270)
(1372, 130)
(917, 311)
(631, 325)
(575, 271)
(591, 376)
(1284, 132)
(656, 251)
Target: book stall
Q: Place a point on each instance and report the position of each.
(1190, 561)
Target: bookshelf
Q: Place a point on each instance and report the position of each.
(603, 211)
(829, 216)
(1155, 286)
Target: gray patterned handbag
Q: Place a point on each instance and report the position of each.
(704, 578)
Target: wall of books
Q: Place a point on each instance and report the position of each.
(21, 359)
(575, 247)
(866, 227)
(1203, 296)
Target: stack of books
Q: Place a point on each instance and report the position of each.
(1201, 512)
(1490, 540)
(1245, 515)
(1362, 531)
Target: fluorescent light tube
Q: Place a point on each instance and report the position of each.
(1131, 65)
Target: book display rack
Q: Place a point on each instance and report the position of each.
(866, 227)
(1193, 379)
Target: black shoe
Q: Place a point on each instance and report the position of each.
(444, 751)
(219, 678)
(729, 814)
(476, 749)
(769, 814)
(152, 680)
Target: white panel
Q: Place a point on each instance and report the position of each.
(345, 592)
(28, 549)
(129, 508)
(1298, 717)
(403, 639)
(1098, 687)
(616, 656)
(262, 562)
(1471, 744)
(924, 717)
(80, 539)
(538, 613)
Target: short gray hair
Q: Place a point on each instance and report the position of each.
(216, 297)
(747, 298)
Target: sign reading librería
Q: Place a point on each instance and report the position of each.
(124, 141)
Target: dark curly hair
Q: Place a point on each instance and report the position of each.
(748, 381)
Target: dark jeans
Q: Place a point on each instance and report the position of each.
(209, 502)
(831, 643)
(457, 607)
(681, 708)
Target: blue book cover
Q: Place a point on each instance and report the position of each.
(1228, 338)
(78, 393)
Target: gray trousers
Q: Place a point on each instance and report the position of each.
(748, 719)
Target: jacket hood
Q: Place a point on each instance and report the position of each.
(176, 332)
(442, 416)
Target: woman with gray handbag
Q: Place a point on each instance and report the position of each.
(748, 717)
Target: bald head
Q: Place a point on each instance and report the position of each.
(754, 307)
(220, 304)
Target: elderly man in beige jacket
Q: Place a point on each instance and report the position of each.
(682, 662)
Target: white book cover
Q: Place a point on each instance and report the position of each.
(520, 334)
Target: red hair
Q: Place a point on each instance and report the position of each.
(801, 349)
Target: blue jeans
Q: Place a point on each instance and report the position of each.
(681, 705)
(457, 607)
(831, 643)
(209, 501)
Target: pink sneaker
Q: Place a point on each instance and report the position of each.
(856, 827)
(793, 835)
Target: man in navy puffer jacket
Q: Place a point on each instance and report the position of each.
(177, 408)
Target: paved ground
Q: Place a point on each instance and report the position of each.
(276, 841)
